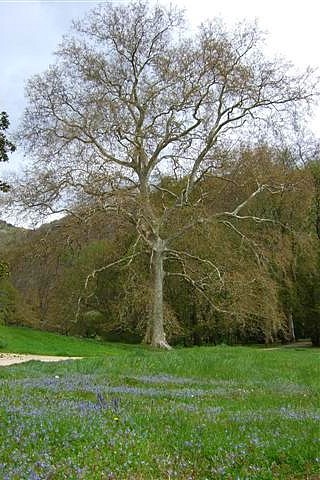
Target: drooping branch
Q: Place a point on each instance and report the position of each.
(200, 289)
(215, 217)
(179, 255)
(124, 261)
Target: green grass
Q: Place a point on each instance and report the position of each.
(188, 414)
(27, 340)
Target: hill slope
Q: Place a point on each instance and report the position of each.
(9, 233)
(27, 340)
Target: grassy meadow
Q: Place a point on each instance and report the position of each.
(130, 413)
(27, 340)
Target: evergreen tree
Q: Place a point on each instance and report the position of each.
(5, 146)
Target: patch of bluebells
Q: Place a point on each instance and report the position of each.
(89, 384)
(70, 383)
(283, 412)
(228, 385)
(84, 415)
(92, 384)
(164, 379)
(282, 387)
(41, 470)
(288, 413)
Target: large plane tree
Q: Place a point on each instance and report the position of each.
(134, 99)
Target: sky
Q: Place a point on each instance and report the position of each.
(31, 31)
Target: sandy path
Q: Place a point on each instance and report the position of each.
(11, 358)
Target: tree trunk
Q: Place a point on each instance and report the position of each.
(292, 335)
(155, 335)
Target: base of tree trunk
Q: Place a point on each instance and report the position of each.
(161, 344)
(156, 343)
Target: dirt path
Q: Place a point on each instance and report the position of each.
(11, 358)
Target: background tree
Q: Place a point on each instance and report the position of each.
(5, 146)
(309, 265)
(132, 98)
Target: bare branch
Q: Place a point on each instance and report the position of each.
(179, 254)
(199, 289)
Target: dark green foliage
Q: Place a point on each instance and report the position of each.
(7, 297)
(5, 146)
(307, 304)
(8, 302)
(308, 280)
(91, 324)
(4, 269)
(315, 172)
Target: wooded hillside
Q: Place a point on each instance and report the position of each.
(252, 282)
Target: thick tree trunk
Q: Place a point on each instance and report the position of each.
(155, 335)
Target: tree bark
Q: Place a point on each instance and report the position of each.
(155, 335)
(292, 335)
